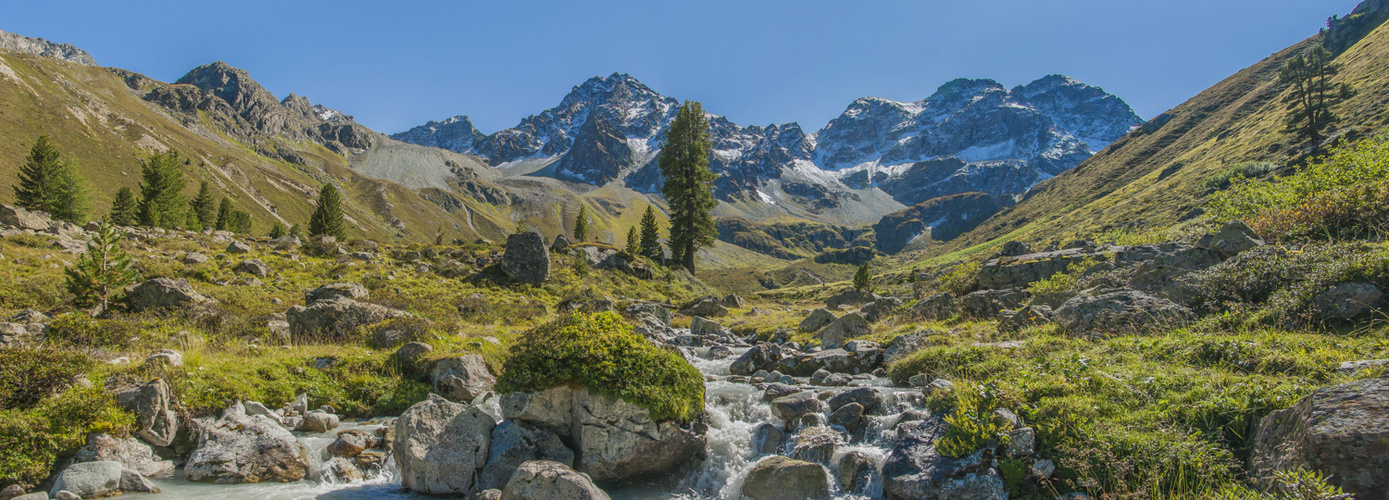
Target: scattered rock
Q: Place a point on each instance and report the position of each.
(561, 243)
(986, 304)
(759, 357)
(1015, 248)
(1118, 312)
(238, 247)
(152, 403)
(194, 258)
(89, 479)
(253, 267)
(791, 408)
(767, 438)
(778, 390)
(817, 319)
(347, 445)
(934, 307)
(547, 480)
(441, 446)
(732, 300)
(880, 309)
(701, 326)
(163, 293)
(462, 379)
(854, 470)
(815, 444)
(1235, 237)
(915, 470)
(1339, 430)
(902, 346)
(709, 307)
(526, 260)
(354, 291)
(318, 421)
(129, 452)
(237, 448)
(20, 218)
(336, 318)
(850, 298)
(1349, 301)
(411, 352)
(165, 357)
(846, 327)
(781, 478)
(1027, 317)
(514, 444)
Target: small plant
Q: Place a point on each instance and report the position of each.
(581, 225)
(971, 426)
(103, 268)
(278, 230)
(1297, 484)
(863, 279)
(958, 280)
(633, 242)
(1063, 281)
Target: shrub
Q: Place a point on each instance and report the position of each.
(1063, 281)
(32, 440)
(1329, 198)
(1247, 170)
(957, 280)
(33, 374)
(971, 426)
(602, 353)
(1287, 281)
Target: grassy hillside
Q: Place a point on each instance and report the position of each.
(1157, 174)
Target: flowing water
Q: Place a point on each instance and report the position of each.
(734, 410)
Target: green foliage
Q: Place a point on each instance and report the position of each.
(581, 225)
(224, 217)
(1286, 282)
(203, 206)
(957, 280)
(278, 230)
(161, 191)
(1311, 94)
(48, 184)
(327, 216)
(124, 209)
(602, 353)
(633, 242)
(1341, 195)
(1063, 281)
(103, 269)
(689, 184)
(1015, 472)
(863, 278)
(651, 236)
(33, 374)
(1296, 484)
(32, 440)
(1247, 170)
(972, 425)
(522, 226)
(296, 230)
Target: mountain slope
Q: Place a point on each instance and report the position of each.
(1155, 176)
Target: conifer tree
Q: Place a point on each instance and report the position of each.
(240, 222)
(102, 269)
(161, 191)
(633, 241)
(278, 230)
(224, 215)
(439, 235)
(1312, 94)
(191, 222)
(863, 279)
(522, 226)
(651, 236)
(581, 225)
(48, 184)
(689, 184)
(204, 206)
(327, 217)
(124, 209)
(297, 230)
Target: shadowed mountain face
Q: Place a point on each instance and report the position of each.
(971, 135)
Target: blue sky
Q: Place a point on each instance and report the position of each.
(398, 64)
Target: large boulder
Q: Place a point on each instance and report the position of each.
(514, 444)
(817, 319)
(902, 346)
(526, 260)
(880, 309)
(864, 360)
(441, 446)
(547, 480)
(1341, 430)
(254, 267)
(237, 448)
(915, 470)
(1119, 311)
(709, 307)
(463, 378)
(934, 307)
(99, 479)
(163, 293)
(791, 408)
(850, 298)
(335, 318)
(1018, 271)
(1235, 237)
(614, 440)
(985, 304)
(759, 357)
(1349, 301)
(129, 452)
(701, 326)
(846, 327)
(20, 218)
(780, 478)
(152, 403)
(354, 291)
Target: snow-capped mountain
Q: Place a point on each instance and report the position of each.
(970, 135)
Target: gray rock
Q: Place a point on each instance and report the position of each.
(759, 357)
(817, 319)
(1015, 248)
(902, 346)
(526, 260)
(354, 291)
(441, 446)
(791, 408)
(1339, 430)
(652, 309)
(767, 438)
(237, 448)
(14, 490)
(1017, 272)
(870, 398)
(335, 318)
(318, 421)
(492, 494)
(238, 247)
(1021, 442)
(20, 218)
(157, 422)
(778, 390)
(880, 309)
(547, 480)
(1118, 312)
(915, 470)
(129, 452)
(167, 357)
(781, 478)
(934, 307)
(985, 304)
(253, 267)
(561, 243)
(1235, 237)
(732, 300)
(193, 258)
(701, 326)
(1349, 301)
(347, 445)
(709, 307)
(617, 440)
(846, 327)
(815, 444)
(850, 298)
(340, 470)
(1027, 317)
(161, 293)
(854, 470)
(89, 479)
(514, 444)
(848, 416)
(411, 352)
(462, 379)
(719, 352)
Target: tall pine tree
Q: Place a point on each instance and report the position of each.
(1312, 94)
(101, 270)
(48, 184)
(161, 191)
(581, 225)
(224, 215)
(689, 184)
(124, 209)
(651, 236)
(327, 217)
(633, 241)
(204, 206)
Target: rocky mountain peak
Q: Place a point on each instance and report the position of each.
(231, 84)
(38, 46)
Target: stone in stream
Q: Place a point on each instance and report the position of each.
(89, 479)
(854, 470)
(759, 357)
(547, 480)
(701, 326)
(237, 448)
(462, 379)
(871, 399)
(915, 470)
(340, 470)
(318, 421)
(815, 444)
(1340, 430)
(347, 445)
(850, 417)
(781, 478)
(441, 446)
(767, 438)
(129, 452)
(156, 423)
(846, 327)
(512, 445)
(791, 408)
(778, 390)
